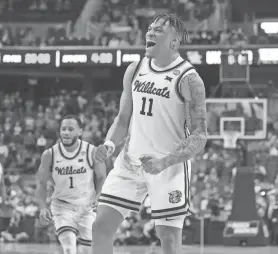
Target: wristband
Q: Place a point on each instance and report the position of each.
(110, 144)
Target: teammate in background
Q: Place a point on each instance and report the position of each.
(77, 181)
(166, 98)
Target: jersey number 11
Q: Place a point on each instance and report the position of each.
(143, 112)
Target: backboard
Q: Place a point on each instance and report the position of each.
(245, 117)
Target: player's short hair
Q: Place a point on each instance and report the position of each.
(176, 23)
(75, 117)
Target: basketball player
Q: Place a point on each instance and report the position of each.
(77, 182)
(163, 97)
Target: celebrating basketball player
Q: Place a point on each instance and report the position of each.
(163, 98)
(77, 182)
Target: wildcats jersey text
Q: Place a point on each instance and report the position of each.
(158, 120)
(73, 177)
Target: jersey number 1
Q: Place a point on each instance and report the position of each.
(143, 112)
(71, 182)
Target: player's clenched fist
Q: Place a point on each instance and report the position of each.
(45, 216)
(102, 152)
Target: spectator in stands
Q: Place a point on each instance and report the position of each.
(150, 233)
(15, 232)
(4, 151)
(41, 143)
(3, 194)
(225, 37)
(272, 218)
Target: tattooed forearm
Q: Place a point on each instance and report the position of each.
(192, 145)
(187, 149)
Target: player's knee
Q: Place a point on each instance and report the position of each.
(69, 249)
(68, 242)
(82, 249)
(167, 239)
(67, 237)
(107, 222)
(169, 236)
(101, 228)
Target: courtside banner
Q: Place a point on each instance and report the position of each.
(241, 228)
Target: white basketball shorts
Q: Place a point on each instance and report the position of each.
(126, 187)
(69, 217)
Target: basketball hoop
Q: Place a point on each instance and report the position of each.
(231, 129)
(230, 139)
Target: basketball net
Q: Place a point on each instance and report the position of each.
(230, 139)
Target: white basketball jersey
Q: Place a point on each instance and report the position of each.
(159, 112)
(73, 176)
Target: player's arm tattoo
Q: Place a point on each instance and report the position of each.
(193, 144)
(42, 178)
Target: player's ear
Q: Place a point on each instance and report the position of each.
(175, 42)
(80, 132)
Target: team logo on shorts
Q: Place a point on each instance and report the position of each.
(175, 196)
(176, 72)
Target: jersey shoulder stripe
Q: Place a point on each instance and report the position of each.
(137, 70)
(89, 151)
(52, 158)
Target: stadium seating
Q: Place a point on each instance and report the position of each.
(117, 24)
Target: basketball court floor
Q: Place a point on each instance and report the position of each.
(55, 249)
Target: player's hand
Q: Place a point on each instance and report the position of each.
(45, 216)
(151, 165)
(102, 152)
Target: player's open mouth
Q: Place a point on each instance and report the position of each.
(150, 44)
